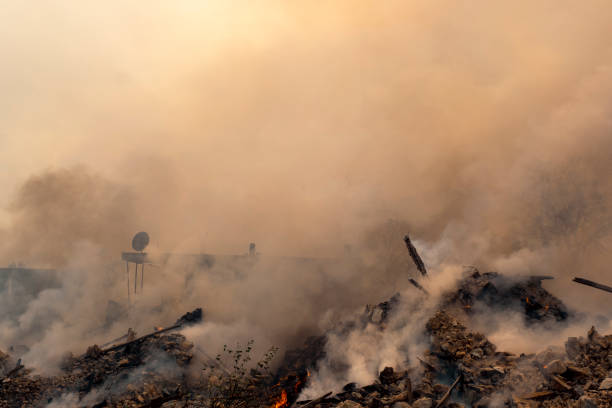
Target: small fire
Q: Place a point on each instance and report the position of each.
(158, 328)
(546, 308)
(527, 300)
(300, 382)
(282, 401)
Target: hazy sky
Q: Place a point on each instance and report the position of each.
(296, 124)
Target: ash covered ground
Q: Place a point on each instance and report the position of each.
(428, 331)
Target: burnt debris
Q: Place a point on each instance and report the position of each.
(458, 367)
(480, 292)
(485, 376)
(145, 373)
(415, 256)
(593, 284)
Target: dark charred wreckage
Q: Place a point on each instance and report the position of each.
(460, 367)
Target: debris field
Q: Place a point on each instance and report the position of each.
(460, 367)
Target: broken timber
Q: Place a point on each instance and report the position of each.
(415, 256)
(428, 365)
(449, 392)
(125, 336)
(316, 401)
(146, 336)
(187, 319)
(14, 371)
(537, 395)
(418, 286)
(593, 284)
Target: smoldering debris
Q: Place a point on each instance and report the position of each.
(479, 292)
(458, 367)
(158, 369)
(427, 332)
(416, 258)
(143, 371)
(461, 367)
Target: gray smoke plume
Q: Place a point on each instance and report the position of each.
(480, 128)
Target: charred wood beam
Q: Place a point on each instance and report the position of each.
(125, 336)
(562, 384)
(427, 365)
(538, 395)
(15, 370)
(418, 286)
(187, 319)
(315, 401)
(146, 336)
(449, 392)
(415, 256)
(593, 284)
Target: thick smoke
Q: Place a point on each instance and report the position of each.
(482, 128)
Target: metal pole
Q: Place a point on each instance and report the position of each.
(136, 278)
(141, 277)
(127, 270)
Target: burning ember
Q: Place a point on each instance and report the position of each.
(300, 383)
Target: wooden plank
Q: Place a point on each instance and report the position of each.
(146, 336)
(449, 392)
(315, 401)
(538, 395)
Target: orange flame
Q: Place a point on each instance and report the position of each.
(300, 382)
(282, 401)
(527, 300)
(158, 328)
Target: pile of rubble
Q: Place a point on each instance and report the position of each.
(460, 367)
(141, 372)
(491, 291)
(463, 368)
(150, 371)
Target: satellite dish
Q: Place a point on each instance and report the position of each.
(140, 241)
